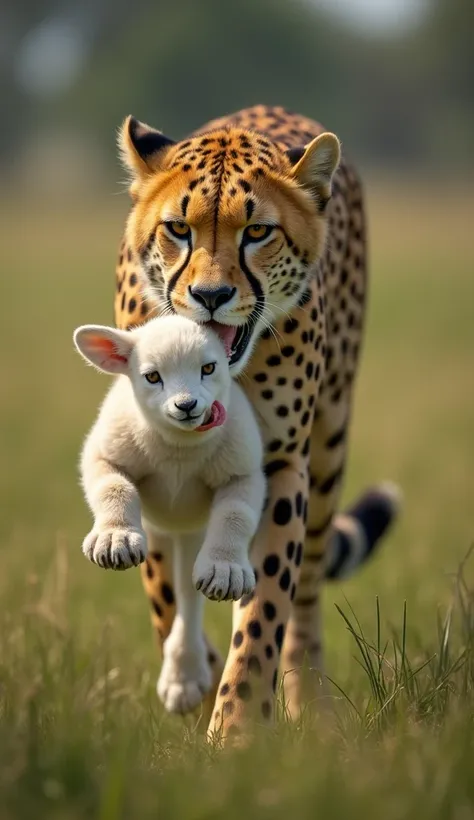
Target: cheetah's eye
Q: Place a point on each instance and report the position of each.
(153, 377)
(255, 233)
(208, 369)
(178, 229)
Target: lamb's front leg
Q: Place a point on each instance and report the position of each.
(222, 570)
(186, 675)
(117, 540)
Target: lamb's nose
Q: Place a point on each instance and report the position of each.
(186, 406)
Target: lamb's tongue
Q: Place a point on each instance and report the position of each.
(226, 334)
(217, 417)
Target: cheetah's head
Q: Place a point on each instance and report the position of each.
(227, 225)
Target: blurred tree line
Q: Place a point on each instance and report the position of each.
(397, 99)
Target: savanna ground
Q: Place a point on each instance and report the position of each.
(81, 731)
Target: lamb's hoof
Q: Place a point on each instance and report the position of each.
(185, 678)
(115, 548)
(222, 580)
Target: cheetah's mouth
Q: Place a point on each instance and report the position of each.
(234, 339)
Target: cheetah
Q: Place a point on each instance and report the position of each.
(255, 222)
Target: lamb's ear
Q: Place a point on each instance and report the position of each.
(106, 348)
(141, 147)
(315, 164)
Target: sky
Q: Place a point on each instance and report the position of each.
(378, 15)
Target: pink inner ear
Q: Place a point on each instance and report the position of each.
(98, 344)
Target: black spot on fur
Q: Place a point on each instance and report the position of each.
(279, 634)
(274, 445)
(237, 639)
(243, 690)
(336, 438)
(245, 185)
(149, 569)
(273, 361)
(254, 666)
(271, 565)
(299, 504)
(157, 608)
(282, 411)
(269, 610)
(330, 482)
(306, 447)
(254, 629)
(167, 593)
(282, 512)
(275, 466)
(299, 554)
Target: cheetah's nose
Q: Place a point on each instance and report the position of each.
(212, 298)
(186, 406)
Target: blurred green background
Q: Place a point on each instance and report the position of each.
(81, 732)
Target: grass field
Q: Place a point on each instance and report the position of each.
(81, 732)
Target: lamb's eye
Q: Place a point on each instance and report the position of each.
(179, 229)
(208, 369)
(153, 377)
(255, 233)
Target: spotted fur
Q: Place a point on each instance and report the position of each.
(301, 297)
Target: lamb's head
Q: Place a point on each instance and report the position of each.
(178, 369)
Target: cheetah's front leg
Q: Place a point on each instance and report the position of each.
(302, 658)
(250, 675)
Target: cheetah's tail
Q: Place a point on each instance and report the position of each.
(357, 531)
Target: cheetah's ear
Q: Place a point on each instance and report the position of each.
(315, 164)
(106, 348)
(141, 147)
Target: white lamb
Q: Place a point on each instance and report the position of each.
(175, 449)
